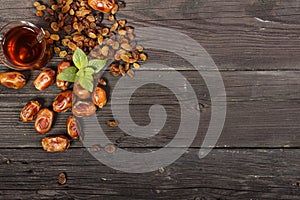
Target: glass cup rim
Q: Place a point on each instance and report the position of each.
(16, 23)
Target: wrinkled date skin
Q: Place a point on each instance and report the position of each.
(55, 143)
(61, 67)
(29, 111)
(99, 97)
(80, 92)
(84, 109)
(102, 5)
(63, 101)
(44, 120)
(73, 127)
(44, 79)
(14, 80)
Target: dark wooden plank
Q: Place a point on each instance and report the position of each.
(274, 86)
(248, 35)
(259, 104)
(247, 125)
(255, 37)
(224, 174)
(239, 35)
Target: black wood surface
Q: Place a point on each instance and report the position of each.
(256, 46)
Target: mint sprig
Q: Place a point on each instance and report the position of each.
(97, 64)
(83, 71)
(80, 59)
(68, 74)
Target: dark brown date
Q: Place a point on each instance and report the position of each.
(61, 67)
(44, 120)
(80, 92)
(63, 101)
(14, 80)
(73, 127)
(55, 143)
(29, 111)
(44, 79)
(99, 97)
(84, 109)
(102, 5)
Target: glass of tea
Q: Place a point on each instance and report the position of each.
(23, 46)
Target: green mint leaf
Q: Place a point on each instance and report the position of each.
(76, 78)
(68, 74)
(80, 59)
(89, 78)
(97, 64)
(86, 73)
(80, 73)
(89, 71)
(86, 84)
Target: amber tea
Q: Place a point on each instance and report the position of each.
(23, 46)
(20, 46)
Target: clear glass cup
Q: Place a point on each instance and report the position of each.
(23, 46)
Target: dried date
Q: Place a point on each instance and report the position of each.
(14, 80)
(99, 97)
(44, 79)
(63, 101)
(73, 127)
(61, 67)
(102, 5)
(44, 120)
(55, 143)
(29, 111)
(83, 109)
(80, 92)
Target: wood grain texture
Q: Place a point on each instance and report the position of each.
(259, 103)
(239, 35)
(255, 44)
(228, 174)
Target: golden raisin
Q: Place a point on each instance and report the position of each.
(63, 54)
(36, 4)
(112, 123)
(54, 37)
(39, 13)
(41, 7)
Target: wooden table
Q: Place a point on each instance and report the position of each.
(255, 45)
